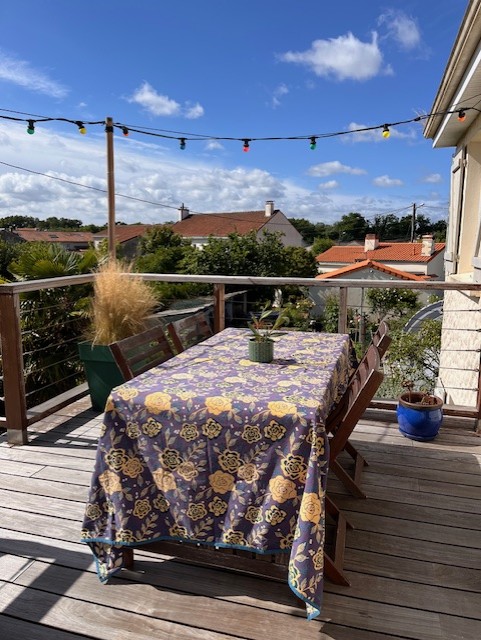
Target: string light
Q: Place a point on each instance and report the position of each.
(182, 137)
(81, 127)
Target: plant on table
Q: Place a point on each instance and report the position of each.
(264, 325)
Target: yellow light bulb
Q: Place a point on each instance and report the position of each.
(385, 132)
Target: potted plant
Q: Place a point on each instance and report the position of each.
(119, 308)
(419, 413)
(264, 327)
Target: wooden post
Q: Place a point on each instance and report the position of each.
(219, 307)
(109, 131)
(12, 361)
(342, 322)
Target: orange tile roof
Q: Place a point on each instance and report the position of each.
(371, 264)
(34, 235)
(386, 251)
(221, 224)
(125, 232)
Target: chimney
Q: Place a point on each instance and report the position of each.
(269, 208)
(371, 242)
(183, 212)
(428, 246)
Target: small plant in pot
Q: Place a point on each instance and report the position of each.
(264, 327)
(120, 307)
(419, 413)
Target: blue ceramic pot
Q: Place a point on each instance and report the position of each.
(419, 421)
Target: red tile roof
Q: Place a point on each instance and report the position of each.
(386, 251)
(221, 224)
(370, 264)
(34, 235)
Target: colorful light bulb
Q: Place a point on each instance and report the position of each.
(81, 127)
(31, 127)
(246, 147)
(182, 144)
(461, 115)
(125, 131)
(385, 132)
(313, 145)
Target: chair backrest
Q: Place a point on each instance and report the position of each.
(361, 390)
(141, 352)
(189, 331)
(381, 338)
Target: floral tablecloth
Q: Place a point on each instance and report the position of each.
(210, 447)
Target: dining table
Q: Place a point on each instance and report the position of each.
(211, 448)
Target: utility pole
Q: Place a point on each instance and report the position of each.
(109, 132)
(413, 222)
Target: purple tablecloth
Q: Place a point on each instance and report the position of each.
(210, 447)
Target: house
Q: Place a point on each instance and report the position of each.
(126, 237)
(423, 258)
(199, 227)
(356, 297)
(455, 124)
(69, 240)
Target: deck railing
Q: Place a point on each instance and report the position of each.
(18, 417)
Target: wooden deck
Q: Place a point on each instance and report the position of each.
(414, 557)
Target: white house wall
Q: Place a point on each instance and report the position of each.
(460, 349)
(280, 224)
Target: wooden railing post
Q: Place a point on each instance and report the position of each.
(219, 307)
(12, 364)
(342, 322)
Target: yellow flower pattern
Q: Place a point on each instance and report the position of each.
(221, 450)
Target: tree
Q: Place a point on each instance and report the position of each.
(395, 302)
(413, 356)
(320, 245)
(162, 251)
(51, 320)
(352, 226)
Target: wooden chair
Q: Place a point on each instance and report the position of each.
(341, 421)
(189, 331)
(141, 352)
(381, 338)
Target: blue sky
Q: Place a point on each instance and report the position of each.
(256, 69)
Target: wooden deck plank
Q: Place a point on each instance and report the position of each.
(96, 621)
(413, 558)
(166, 605)
(15, 629)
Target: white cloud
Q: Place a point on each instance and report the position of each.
(386, 181)
(332, 168)
(21, 73)
(342, 58)
(214, 145)
(153, 102)
(329, 184)
(277, 94)
(159, 105)
(194, 112)
(433, 178)
(401, 28)
(375, 134)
